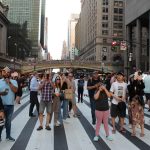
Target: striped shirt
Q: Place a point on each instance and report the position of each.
(46, 92)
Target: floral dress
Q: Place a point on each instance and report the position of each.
(137, 112)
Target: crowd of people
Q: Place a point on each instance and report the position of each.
(109, 96)
(121, 93)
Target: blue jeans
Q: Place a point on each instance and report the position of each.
(8, 110)
(65, 109)
(92, 102)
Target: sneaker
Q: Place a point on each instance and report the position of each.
(32, 115)
(75, 116)
(48, 128)
(148, 110)
(39, 128)
(57, 124)
(109, 138)
(10, 139)
(96, 138)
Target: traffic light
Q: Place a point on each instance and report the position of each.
(114, 45)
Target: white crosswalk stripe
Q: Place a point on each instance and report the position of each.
(78, 135)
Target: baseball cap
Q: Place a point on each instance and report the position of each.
(6, 69)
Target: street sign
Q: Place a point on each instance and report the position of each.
(123, 45)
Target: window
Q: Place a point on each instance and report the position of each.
(118, 25)
(115, 18)
(104, 32)
(118, 18)
(118, 32)
(105, 10)
(121, 4)
(105, 25)
(118, 3)
(116, 10)
(105, 2)
(104, 49)
(104, 57)
(120, 11)
(105, 17)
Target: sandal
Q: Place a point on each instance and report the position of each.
(122, 130)
(142, 134)
(113, 131)
(133, 134)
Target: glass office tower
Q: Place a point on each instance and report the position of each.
(21, 11)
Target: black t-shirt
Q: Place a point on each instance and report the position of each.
(64, 86)
(92, 82)
(102, 102)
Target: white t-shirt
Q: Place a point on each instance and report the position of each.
(57, 90)
(119, 89)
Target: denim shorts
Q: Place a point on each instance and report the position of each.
(47, 105)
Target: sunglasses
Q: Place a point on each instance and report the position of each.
(57, 79)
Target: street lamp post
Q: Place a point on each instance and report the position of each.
(16, 50)
(102, 67)
(14, 63)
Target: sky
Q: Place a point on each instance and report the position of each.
(58, 13)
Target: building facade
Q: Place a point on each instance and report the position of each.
(30, 11)
(71, 35)
(65, 52)
(100, 23)
(137, 21)
(3, 29)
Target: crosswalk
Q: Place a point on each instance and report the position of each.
(74, 134)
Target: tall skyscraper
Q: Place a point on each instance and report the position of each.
(71, 35)
(100, 23)
(43, 6)
(65, 52)
(32, 11)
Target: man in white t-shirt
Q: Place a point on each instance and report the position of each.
(118, 105)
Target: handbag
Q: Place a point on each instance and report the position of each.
(68, 94)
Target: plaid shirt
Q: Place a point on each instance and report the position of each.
(46, 92)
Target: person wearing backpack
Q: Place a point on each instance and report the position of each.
(80, 88)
